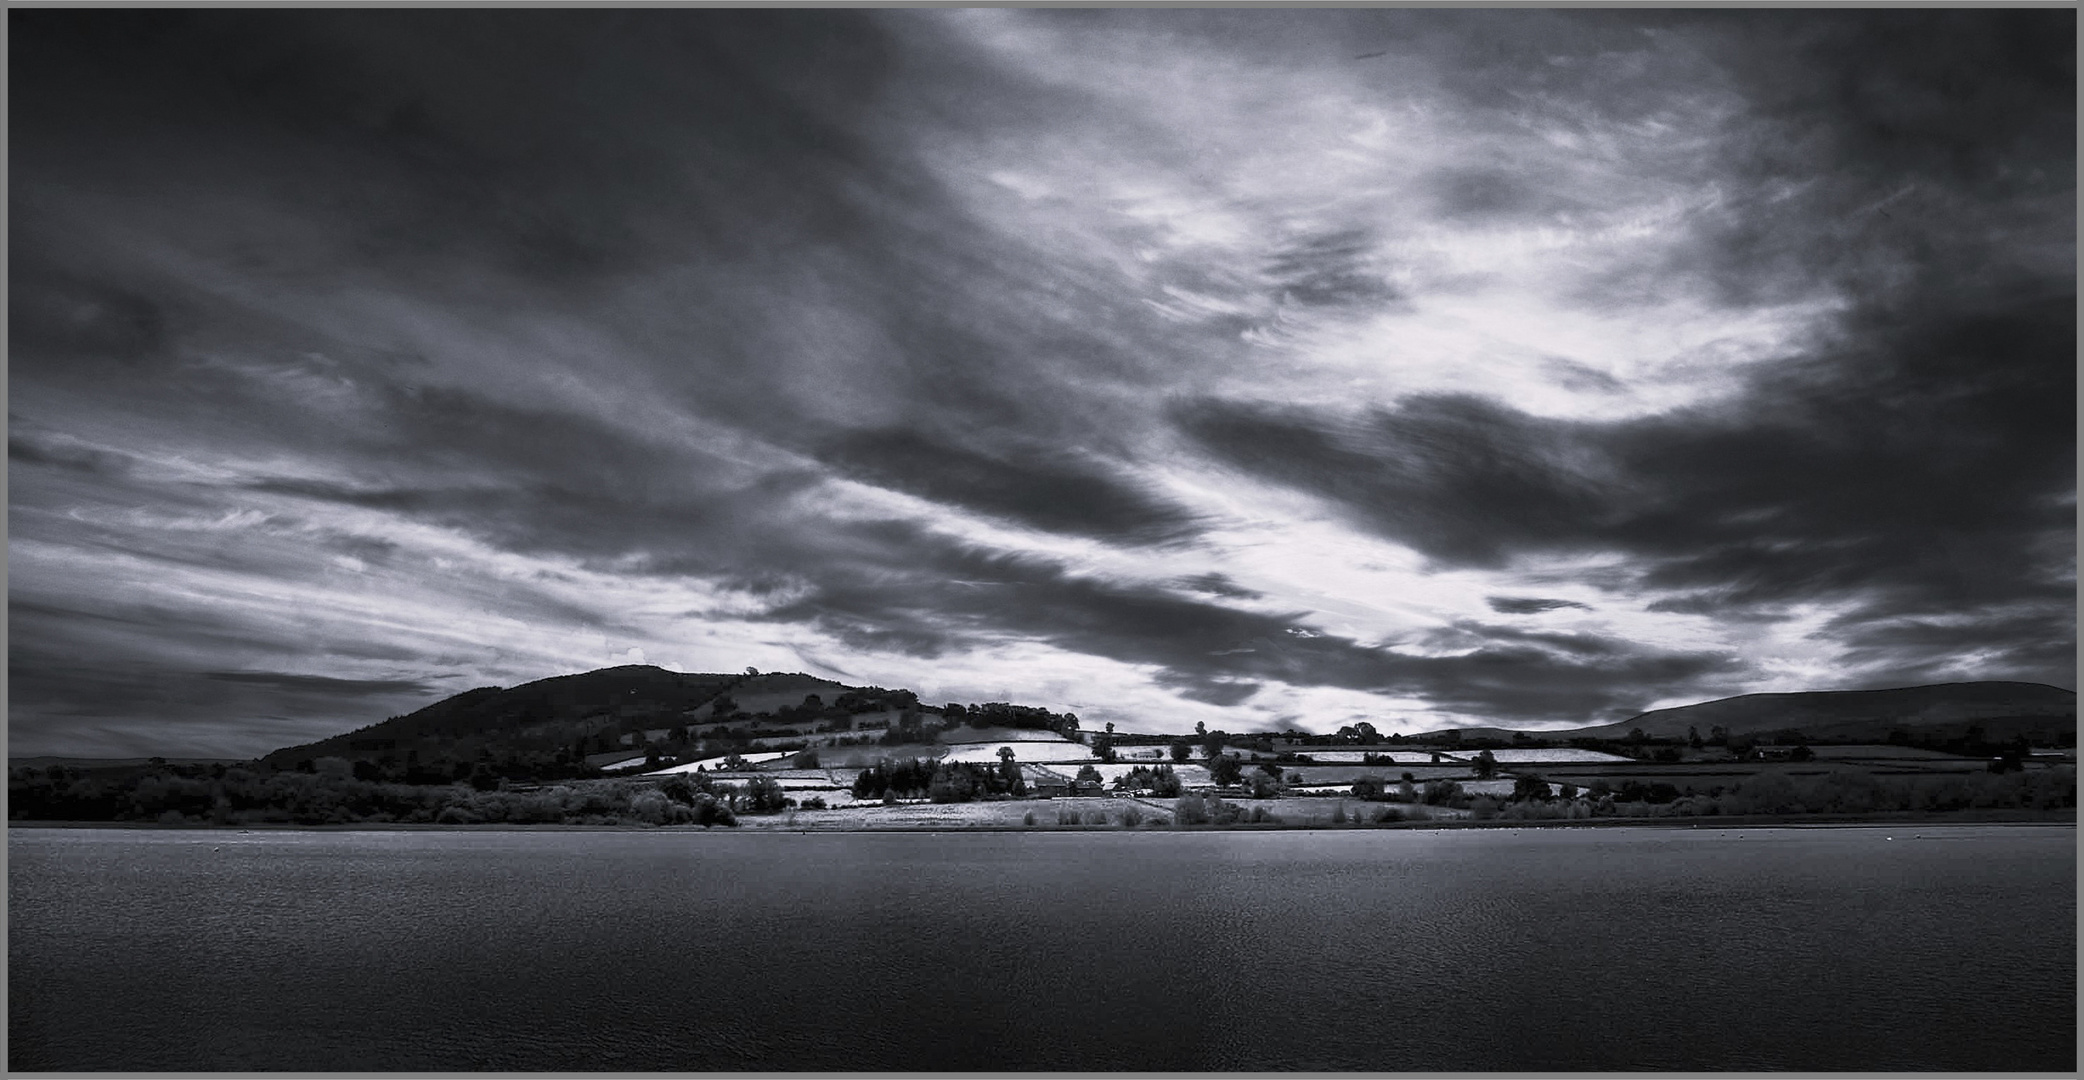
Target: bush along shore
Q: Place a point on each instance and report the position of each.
(916, 795)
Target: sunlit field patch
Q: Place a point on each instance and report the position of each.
(1542, 756)
(1030, 751)
(709, 764)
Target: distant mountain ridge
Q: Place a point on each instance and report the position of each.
(1849, 714)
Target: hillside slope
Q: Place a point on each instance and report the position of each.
(1860, 713)
(551, 714)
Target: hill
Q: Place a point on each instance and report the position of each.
(2003, 709)
(570, 725)
(576, 714)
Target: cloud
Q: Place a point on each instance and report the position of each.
(1172, 361)
(1530, 605)
(322, 683)
(1216, 583)
(1037, 485)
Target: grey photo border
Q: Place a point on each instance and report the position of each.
(494, 5)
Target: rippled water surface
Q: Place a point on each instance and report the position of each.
(1876, 949)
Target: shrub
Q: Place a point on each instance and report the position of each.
(815, 802)
(1442, 793)
(1190, 809)
(649, 808)
(1483, 808)
(763, 795)
(1338, 813)
(1028, 818)
(1132, 816)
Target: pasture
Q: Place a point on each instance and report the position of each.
(1032, 751)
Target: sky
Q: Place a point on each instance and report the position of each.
(1259, 368)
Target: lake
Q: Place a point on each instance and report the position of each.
(1907, 947)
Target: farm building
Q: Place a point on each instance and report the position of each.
(1046, 783)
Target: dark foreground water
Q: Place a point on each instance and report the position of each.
(1874, 949)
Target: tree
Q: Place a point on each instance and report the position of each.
(1693, 738)
(1110, 727)
(763, 795)
(1225, 770)
(1366, 733)
(1200, 728)
(1486, 765)
(1087, 774)
(1368, 789)
(1182, 750)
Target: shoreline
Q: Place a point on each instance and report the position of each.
(1759, 821)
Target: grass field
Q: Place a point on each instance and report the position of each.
(1002, 815)
(710, 764)
(1355, 757)
(1189, 775)
(987, 753)
(968, 734)
(1885, 752)
(1543, 756)
(1347, 774)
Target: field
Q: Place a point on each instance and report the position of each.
(987, 753)
(1355, 757)
(975, 815)
(1885, 752)
(1347, 774)
(1189, 775)
(709, 764)
(1542, 756)
(968, 734)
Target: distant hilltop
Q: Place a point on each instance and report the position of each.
(577, 716)
(570, 724)
(2003, 709)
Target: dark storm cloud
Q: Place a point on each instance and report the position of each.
(345, 688)
(1529, 605)
(1922, 141)
(1030, 483)
(30, 451)
(1920, 466)
(1462, 480)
